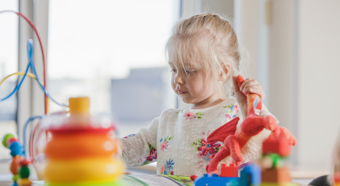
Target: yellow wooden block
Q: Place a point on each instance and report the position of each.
(24, 182)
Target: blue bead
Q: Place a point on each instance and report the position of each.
(16, 149)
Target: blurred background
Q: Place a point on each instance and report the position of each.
(113, 52)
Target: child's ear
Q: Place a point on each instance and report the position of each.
(224, 74)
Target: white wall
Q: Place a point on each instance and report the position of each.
(303, 54)
(282, 65)
(318, 80)
(296, 57)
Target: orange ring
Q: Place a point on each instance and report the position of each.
(80, 145)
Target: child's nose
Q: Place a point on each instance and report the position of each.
(179, 78)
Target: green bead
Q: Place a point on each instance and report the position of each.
(16, 177)
(6, 137)
(276, 159)
(24, 172)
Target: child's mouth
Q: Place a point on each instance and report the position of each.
(181, 92)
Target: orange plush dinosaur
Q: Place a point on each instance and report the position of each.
(250, 127)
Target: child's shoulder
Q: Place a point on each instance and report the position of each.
(170, 111)
(231, 101)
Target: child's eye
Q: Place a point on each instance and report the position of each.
(189, 72)
(173, 70)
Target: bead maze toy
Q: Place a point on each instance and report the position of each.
(67, 149)
(19, 165)
(82, 149)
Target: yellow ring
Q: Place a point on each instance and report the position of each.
(83, 170)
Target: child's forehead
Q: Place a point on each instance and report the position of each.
(191, 64)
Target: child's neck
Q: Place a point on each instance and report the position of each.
(207, 103)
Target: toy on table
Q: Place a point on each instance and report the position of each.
(274, 150)
(251, 127)
(18, 166)
(229, 175)
(271, 172)
(24, 173)
(81, 149)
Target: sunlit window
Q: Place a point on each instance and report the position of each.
(8, 65)
(112, 51)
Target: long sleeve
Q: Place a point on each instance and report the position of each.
(141, 148)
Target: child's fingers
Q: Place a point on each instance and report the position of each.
(254, 89)
(252, 86)
(246, 83)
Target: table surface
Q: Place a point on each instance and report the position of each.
(301, 178)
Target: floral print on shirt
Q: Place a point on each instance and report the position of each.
(231, 112)
(152, 156)
(167, 168)
(203, 147)
(205, 150)
(191, 115)
(165, 142)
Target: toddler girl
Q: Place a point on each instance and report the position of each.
(204, 59)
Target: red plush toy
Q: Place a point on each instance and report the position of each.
(250, 127)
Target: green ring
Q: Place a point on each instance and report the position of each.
(6, 138)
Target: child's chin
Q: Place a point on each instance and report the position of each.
(187, 101)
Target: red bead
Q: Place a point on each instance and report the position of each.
(11, 140)
(25, 162)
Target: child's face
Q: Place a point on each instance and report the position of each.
(193, 86)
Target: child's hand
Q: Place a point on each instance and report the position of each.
(247, 87)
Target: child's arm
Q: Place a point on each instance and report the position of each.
(141, 148)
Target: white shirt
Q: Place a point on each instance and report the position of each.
(177, 140)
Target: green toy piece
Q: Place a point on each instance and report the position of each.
(276, 159)
(6, 137)
(24, 172)
(15, 178)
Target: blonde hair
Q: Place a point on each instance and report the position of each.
(209, 40)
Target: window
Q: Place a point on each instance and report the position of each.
(8, 65)
(113, 52)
